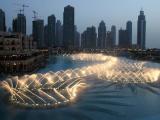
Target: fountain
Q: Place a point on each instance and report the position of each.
(54, 89)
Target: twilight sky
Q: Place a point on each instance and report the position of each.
(91, 12)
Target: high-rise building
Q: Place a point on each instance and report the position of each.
(21, 24)
(83, 39)
(101, 35)
(123, 39)
(14, 25)
(129, 32)
(59, 34)
(89, 38)
(113, 35)
(2, 21)
(38, 33)
(68, 27)
(9, 30)
(109, 40)
(51, 31)
(141, 30)
(77, 38)
(46, 35)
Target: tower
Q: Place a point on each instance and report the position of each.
(2, 21)
(51, 31)
(129, 32)
(68, 27)
(101, 35)
(141, 30)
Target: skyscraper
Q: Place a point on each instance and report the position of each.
(129, 32)
(59, 34)
(46, 35)
(68, 27)
(83, 39)
(38, 33)
(123, 39)
(2, 21)
(109, 40)
(51, 30)
(89, 38)
(113, 35)
(77, 38)
(141, 31)
(21, 23)
(14, 25)
(101, 35)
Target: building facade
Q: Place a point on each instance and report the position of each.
(77, 39)
(38, 33)
(123, 39)
(141, 30)
(68, 27)
(109, 40)
(59, 34)
(2, 21)
(129, 32)
(83, 39)
(89, 38)
(51, 31)
(19, 24)
(113, 34)
(46, 35)
(18, 55)
(101, 43)
(15, 42)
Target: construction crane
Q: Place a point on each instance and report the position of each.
(19, 11)
(23, 7)
(35, 15)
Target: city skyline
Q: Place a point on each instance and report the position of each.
(109, 14)
(79, 60)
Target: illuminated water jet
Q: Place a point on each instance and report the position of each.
(54, 89)
(119, 69)
(42, 91)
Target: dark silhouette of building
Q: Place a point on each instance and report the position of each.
(89, 38)
(109, 40)
(59, 34)
(102, 35)
(125, 36)
(51, 31)
(2, 21)
(141, 31)
(46, 35)
(14, 25)
(68, 27)
(38, 33)
(123, 39)
(113, 35)
(77, 38)
(9, 30)
(19, 24)
(129, 32)
(83, 39)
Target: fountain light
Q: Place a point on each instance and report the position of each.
(62, 87)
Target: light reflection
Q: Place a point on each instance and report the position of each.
(62, 87)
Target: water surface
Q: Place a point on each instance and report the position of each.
(101, 101)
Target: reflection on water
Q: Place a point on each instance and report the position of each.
(101, 100)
